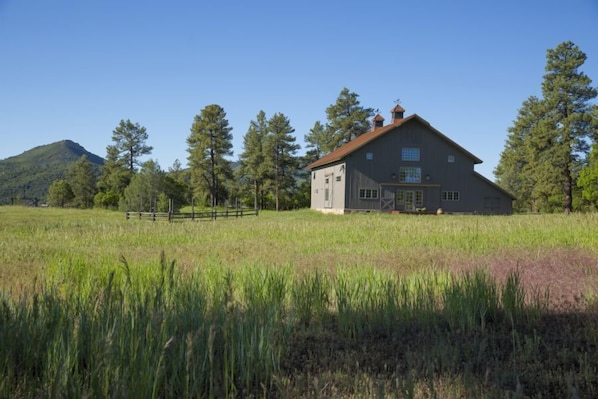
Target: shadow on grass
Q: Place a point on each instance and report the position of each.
(553, 357)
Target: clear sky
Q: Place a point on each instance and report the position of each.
(72, 69)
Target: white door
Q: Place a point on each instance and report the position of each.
(328, 192)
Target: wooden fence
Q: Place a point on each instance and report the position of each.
(205, 215)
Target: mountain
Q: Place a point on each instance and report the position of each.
(27, 177)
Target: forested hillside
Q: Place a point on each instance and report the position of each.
(25, 178)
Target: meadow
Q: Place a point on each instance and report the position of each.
(298, 304)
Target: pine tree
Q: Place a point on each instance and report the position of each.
(130, 140)
(549, 140)
(347, 119)
(319, 142)
(115, 176)
(209, 143)
(567, 92)
(82, 181)
(280, 149)
(145, 189)
(515, 171)
(588, 179)
(59, 193)
(253, 159)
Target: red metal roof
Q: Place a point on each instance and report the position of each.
(365, 138)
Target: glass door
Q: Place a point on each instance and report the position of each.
(409, 201)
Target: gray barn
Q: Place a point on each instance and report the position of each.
(406, 166)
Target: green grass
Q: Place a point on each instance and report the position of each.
(297, 304)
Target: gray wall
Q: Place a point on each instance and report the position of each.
(475, 193)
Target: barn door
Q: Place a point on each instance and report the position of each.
(387, 200)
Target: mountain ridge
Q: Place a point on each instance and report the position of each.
(25, 178)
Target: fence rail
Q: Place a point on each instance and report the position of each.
(204, 215)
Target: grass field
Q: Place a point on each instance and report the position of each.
(298, 304)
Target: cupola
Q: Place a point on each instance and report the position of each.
(397, 113)
(377, 122)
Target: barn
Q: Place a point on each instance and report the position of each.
(406, 166)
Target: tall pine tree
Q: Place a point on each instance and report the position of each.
(254, 165)
(130, 140)
(567, 92)
(209, 143)
(549, 140)
(347, 119)
(280, 154)
(516, 170)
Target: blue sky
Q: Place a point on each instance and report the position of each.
(73, 69)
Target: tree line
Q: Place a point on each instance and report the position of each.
(549, 162)
(269, 174)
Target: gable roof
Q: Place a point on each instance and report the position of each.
(496, 186)
(372, 135)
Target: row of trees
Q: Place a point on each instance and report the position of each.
(550, 160)
(268, 174)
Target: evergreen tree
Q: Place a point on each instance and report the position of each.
(115, 176)
(144, 191)
(209, 143)
(567, 92)
(130, 140)
(347, 119)
(82, 181)
(549, 140)
(253, 166)
(280, 149)
(59, 193)
(515, 171)
(181, 179)
(318, 141)
(588, 179)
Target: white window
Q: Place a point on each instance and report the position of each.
(449, 196)
(368, 193)
(409, 154)
(410, 175)
(338, 178)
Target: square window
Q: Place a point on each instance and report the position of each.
(451, 158)
(338, 178)
(409, 154)
(369, 156)
(410, 175)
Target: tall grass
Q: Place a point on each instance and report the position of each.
(294, 305)
(217, 333)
